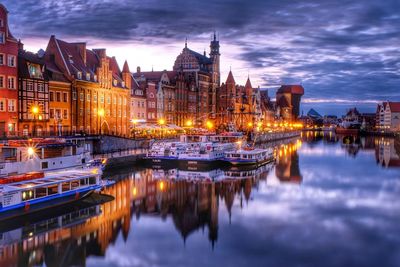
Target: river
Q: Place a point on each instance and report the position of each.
(326, 201)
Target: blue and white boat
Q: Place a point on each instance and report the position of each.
(54, 189)
(245, 157)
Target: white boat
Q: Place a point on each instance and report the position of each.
(24, 156)
(205, 152)
(25, 194)
(249, 156)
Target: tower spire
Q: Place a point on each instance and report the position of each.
(186, 42)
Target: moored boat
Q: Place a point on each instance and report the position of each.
(245, 157)
(53, 189)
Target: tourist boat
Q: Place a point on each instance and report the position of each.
(204, 154)
(37, 155)
(192, 150)
(249, 156)
(30, 193)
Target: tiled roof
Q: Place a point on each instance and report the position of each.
(201, 58)
(230, 78)
(293, 89)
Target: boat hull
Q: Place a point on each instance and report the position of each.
(347, 131)
(240, 162)
(49, 202)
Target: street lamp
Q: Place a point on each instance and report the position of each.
(161, 122)
(101, 115)
(134, 122)
(209, 125)
(35, 111)
(189, 123)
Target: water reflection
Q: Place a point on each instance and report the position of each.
(226, 207)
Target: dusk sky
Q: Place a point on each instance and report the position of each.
(343, 52)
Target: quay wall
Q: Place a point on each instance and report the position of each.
(270, 137)
(109, 144)
(128, 161)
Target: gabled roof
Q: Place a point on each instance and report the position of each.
(230, 78)
(293, 89)
(201, 58)
(154, 75)
(25, 57)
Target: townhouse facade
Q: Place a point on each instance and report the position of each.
(388, 117)
(8, 77)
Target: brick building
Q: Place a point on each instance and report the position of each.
(99, 94)
(8, 77)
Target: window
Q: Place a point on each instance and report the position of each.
(74, 95)
(88, 97)
(11, 105)
(11, 61)
(124, 101)
(1, 23)
(123, 84)
(51, 96)
(108, 100)
(102, 99)
(1, 59)
(88, 76)
(2, 38)
(115, 100)
(29, 86)
(58, 114)
(2, 105)
(95, 78)
(51, 113)
(65, 97)
(95, 98)
(88, 111)
(11, 82)
(40, 87)
(120, 100)
(115, 82)
(79, 75)
(65, 114)
(81, 112)
(1, 81)
(81, 97)
(58, 97)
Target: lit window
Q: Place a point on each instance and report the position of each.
(123, 84)
(115, 82)
(95, 78)
(88, 97)
(95, 98)
(11, 105)
(51, 96)
(2, 38)
(88, 76)
(81, 97)
(79, 75)
(65, 97)
(40, 87)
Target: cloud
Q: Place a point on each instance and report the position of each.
(337, 49)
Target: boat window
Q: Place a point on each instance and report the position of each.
(53, 189)
(66, 186)
(74, 184)
(45, 165)
(41, 192)
(84, 181)
(27, 195)
(92, 180)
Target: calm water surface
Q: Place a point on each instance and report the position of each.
(327, 201)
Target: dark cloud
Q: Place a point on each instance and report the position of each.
(341, 46)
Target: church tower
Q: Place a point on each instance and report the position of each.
(215, 57)
(215, 72)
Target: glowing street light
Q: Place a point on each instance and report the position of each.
(35, 110)
(134, 122)
(31, 151)
(209, 125)
(189, 123)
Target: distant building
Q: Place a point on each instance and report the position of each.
(288, 99)
(388, 116)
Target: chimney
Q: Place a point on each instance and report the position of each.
(20, 45)
(101, 52)
(82, 51)
(138, 69)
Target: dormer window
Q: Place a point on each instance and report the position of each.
(115, 82)
(79, 75)
(70, 59)
(88, 76)
(95, 78)
(35, 71)
(123, 84)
